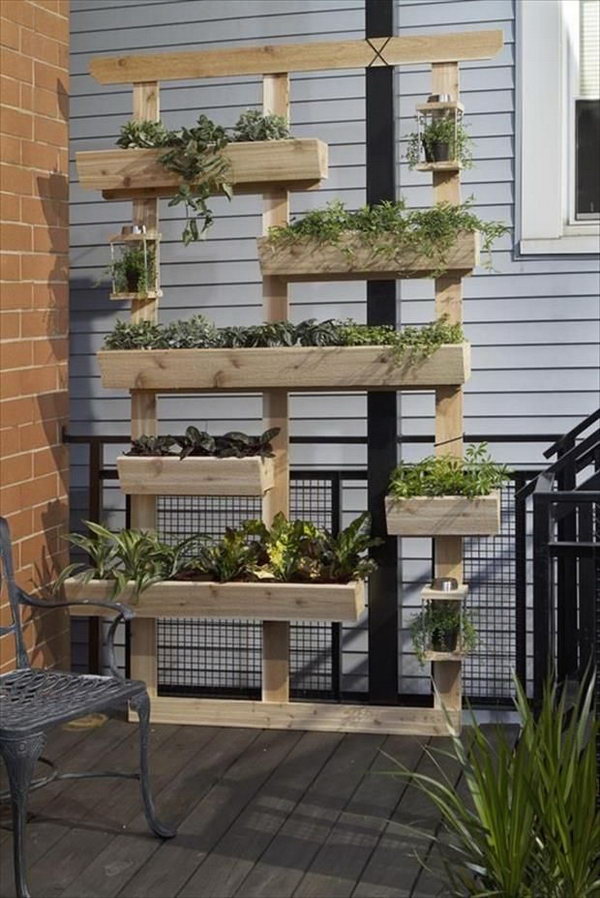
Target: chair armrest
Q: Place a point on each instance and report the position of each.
(126, 612)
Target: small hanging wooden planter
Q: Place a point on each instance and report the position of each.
(443, 515)
(127, 286)
(121, 174)
(308, 259)
(240, 601)
(195, 476)
(289, 367)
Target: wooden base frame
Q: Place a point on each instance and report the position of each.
(319, 717)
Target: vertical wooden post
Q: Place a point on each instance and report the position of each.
(276, 634)
(448, 400)
(143, 411)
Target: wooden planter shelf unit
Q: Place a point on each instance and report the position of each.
(308, 259)
(273, 169)
(246, 601)
(164, 476)
(443, 515)
(122, 174)
(289, 368)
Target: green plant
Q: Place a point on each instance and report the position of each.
(253, 125)
(288, 549)
(151, 446)
(233, 557)
(442, 626)
(389, 227)
(445, 475)
(231, 445)
(527, 825)
(408, 343)
(441, 131)
(134, 271)
(343, 556)
(196, 155)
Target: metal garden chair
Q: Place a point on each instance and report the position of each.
(32, 701)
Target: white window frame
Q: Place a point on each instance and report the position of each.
(548, 73)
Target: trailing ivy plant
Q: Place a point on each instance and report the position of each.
(445, 475)
(406, 344)
(389, 227)
(442, 627)
(196, 155)
(288, 551)
(442, 139)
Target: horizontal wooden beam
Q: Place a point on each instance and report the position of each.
(269, 59)
(287, 368)
(314, 716)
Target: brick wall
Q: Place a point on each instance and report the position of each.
(34, 218)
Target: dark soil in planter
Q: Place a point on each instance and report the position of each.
(132, 281)
(444, 640)
(436, 151)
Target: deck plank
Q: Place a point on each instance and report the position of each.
(342, 858)
(230, 861)
(209, 814)
(293, 849)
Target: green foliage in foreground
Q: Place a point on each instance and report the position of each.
(288, 551)
(529, 823)
(445, 475)
(197, 333)
(389, 227)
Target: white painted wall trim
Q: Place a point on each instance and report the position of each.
(548, 45)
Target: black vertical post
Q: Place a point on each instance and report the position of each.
(520, 580)
(566, 573)
(381, 407)
(543, 605)
(94, 514)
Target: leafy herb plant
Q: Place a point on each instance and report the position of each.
(388, 227)
(408, 343)
(444, 475)
(253, 125)
(233, 444)
(442, 139)
(134, 271)
(527, 823)
(288, 551)
(442, 627)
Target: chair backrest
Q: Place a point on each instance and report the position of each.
(7, 569)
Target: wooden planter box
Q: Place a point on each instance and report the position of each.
(164, 476)
(240, 601)
(443, 516)
(353, 259)
(290, 368)
(255, 166)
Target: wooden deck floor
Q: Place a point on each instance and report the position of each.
(259, 813)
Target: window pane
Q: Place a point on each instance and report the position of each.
(587, 135)
(589, 49)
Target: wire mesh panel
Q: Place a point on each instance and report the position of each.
(223, 657)
(490, 571)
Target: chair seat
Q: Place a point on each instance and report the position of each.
(32, 699)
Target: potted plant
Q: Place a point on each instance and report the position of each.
(234, 464)
(194, 354)
(442, 627)
(290, 571)
(133, 270)
(442, 139)
(382, 241)
(447, 496)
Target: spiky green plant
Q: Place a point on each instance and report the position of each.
(528, 823)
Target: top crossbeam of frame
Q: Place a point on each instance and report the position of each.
(270, 59)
